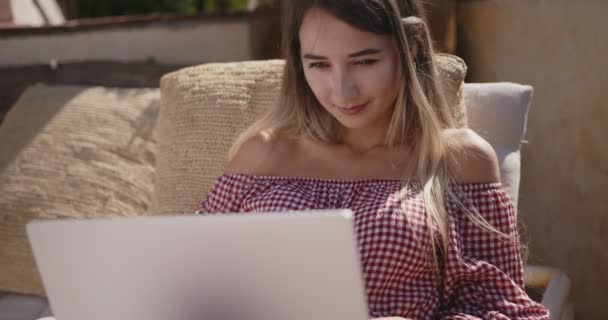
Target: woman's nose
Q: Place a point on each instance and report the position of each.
(344, 90)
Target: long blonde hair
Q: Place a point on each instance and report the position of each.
(420, 114)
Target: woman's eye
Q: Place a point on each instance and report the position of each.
(319, 65)
(367, 62)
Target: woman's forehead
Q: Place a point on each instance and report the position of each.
(323, 34)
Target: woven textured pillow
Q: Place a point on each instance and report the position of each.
(498, 112)
(204, 108)
(71, 152)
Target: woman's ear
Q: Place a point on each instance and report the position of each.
(414, 30)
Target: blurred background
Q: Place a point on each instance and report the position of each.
(560, 47)
(93, 9)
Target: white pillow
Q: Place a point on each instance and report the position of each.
(498, 112)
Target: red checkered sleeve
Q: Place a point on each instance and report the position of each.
(226, 195)
(483, 274)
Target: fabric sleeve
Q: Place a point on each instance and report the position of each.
(227, 194)
(483, 272)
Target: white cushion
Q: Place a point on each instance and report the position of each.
(23, 307)
(498, 112)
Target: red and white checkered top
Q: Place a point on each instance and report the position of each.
(481, 274)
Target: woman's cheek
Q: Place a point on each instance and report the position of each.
(387, 72)
(317, 85)
(387, 76)
(372, 82)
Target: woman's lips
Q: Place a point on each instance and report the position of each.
(353, 110)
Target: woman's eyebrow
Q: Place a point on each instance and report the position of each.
(365, 52)
(357, 54)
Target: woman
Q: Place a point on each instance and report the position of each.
(362, 124)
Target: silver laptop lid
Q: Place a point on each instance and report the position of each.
(295, 265)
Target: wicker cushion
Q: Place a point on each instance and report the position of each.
(205, 107)
(74, 152)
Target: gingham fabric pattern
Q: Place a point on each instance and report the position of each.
(481, 274)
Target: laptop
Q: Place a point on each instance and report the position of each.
(274, 266)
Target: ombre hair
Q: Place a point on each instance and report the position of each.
(420, 113)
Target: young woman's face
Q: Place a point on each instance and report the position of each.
(353, 73)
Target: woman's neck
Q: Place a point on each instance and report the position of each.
(363, 140)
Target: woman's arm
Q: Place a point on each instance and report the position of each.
(483, 268)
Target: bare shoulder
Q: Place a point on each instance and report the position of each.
(471, 158)
(259, 154)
